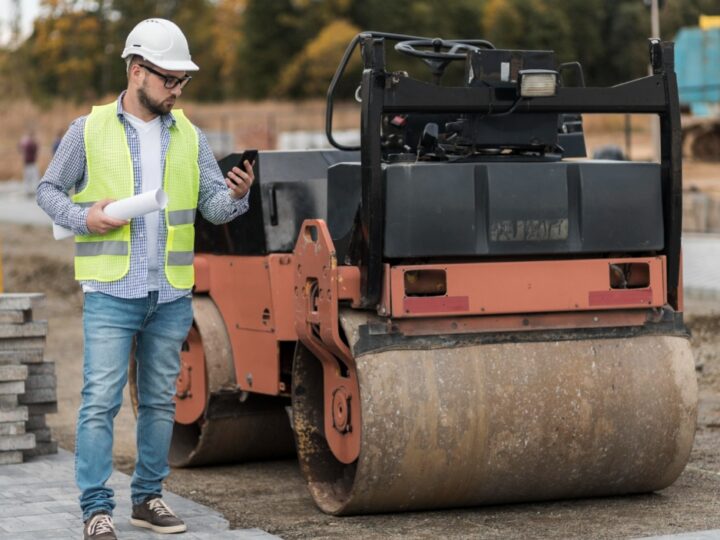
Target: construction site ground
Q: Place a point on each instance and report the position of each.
(272, 495)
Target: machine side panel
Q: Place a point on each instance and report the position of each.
(520, 209)
(257, 361)
(344, 195)
(524, 287)
(621, 211)
(282, 280)
(430, 210)
(240, 287)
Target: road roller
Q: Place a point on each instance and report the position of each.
(461, 310)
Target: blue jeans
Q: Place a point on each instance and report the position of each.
(110, 325)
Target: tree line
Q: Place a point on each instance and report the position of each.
(256, 49)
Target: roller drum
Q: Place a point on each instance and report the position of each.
(501, 423)
(257, 429)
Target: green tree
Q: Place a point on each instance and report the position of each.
(309, 73)
(273, 33)
(226, 46)
(529, 24)
(626, 39)
(289, 48)
(63, 55)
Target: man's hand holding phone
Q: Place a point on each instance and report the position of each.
(241, 176)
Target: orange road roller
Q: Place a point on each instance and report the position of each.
(460, 310)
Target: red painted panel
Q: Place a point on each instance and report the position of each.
(494, 288)
(620, 297)
(436, 304)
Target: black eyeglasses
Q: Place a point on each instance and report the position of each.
(170, 81)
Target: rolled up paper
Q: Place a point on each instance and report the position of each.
(129, 208)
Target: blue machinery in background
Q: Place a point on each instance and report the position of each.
(697, 56)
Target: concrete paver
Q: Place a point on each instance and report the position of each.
(38, 499)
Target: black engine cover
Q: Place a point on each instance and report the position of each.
(497, 209)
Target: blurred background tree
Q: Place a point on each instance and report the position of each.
(289, 48)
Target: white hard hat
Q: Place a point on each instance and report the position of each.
(161, 42)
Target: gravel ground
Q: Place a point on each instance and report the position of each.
(272, 495)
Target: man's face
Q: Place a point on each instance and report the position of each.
(151, 91)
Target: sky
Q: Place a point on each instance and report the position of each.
(30, 10)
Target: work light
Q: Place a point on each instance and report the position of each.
(537, 82)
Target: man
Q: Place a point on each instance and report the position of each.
(137, 276)
(28, 147)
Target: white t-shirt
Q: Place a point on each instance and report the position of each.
(150, 134)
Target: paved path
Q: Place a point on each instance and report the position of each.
(701, 265)
(38, 499)
(16, 207)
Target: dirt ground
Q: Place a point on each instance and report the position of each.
(272, 495)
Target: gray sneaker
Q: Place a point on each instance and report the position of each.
(156, 515)
(99, 526)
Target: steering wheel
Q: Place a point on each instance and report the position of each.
(442, 53)
(442, 49)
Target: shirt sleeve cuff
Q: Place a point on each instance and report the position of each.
(242, 204)
(78, 220)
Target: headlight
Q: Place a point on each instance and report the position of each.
(537, 82)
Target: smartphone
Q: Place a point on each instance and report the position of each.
(250, 156)
(247, 155)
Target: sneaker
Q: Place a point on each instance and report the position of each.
(156, 515)
(99, 527)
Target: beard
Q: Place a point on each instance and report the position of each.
(156, 107)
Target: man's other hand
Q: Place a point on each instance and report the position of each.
(239, 181)
(98, 222)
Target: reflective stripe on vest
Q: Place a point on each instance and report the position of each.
(180, 258)
(110, 176)
(89, 249)
(181, 217)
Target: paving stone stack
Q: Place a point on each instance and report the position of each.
(13, 437)
(27, 381)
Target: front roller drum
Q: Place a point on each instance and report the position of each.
(503, 423)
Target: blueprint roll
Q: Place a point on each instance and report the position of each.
(129, 208)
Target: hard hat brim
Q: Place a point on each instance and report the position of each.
(178, 65)
(171, 65)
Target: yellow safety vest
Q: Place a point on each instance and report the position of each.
(106, 257)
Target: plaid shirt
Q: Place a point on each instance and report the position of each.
(68, 169)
